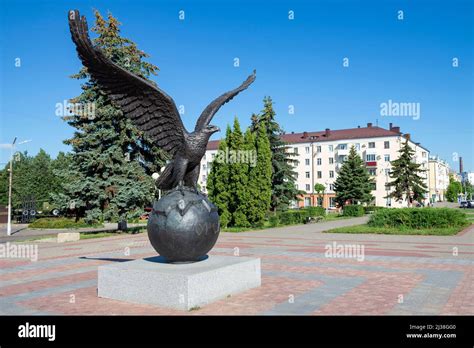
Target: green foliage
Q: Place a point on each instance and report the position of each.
(32, 175)
(418, 218)
(218, 184)
(53, 223)
(353, 210)
(274, 220)
(353, 183)
(283, 175)
(241, 189)
(293, 217)
(316, 211)
(371, 208)
(112, 161)
(408, 183)
(453, 190)
(259, 185)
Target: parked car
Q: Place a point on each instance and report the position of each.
(462, 204)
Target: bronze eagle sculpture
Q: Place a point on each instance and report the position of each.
(151, 110)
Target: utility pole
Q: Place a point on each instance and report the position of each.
(9, 223)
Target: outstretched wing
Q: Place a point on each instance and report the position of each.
(212, 108)
(149, 108)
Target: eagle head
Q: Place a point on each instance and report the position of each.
(211, 129)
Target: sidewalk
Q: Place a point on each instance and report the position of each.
(22, 232)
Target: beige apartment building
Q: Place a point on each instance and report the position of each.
(438, 178)
(320, 156)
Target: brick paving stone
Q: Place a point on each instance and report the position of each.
(297, 277)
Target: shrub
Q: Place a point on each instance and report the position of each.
(274, 220)
(316, 211)
(60, 223)
(371, 208)
(292, 217)
(353, 210)
(418, 218)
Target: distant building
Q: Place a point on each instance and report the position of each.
(438, 179)
(320, 156)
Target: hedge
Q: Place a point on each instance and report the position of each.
(295, 216)
(353, 210)
(418, 218)
(372, 208)
(60, 222)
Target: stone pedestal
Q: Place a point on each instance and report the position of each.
(178, 285)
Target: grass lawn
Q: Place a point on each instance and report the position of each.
(449, 231)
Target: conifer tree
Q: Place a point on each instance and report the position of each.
(353, 182)
(112, 160)
(238, 176)
(260, 179)
(284, 189)
(218, 182)
(408, 184)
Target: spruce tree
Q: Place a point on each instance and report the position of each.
(353, 182)
(284, 190)
(408, 183)
(218, 182)
(110, 177)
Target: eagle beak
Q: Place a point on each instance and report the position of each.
(216, 129)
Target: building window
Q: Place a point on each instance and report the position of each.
(318, 161)
(386, 144)
(372, 171)
(307, 175)
(371, 145)
(307, 201)
(370, 157)
(387, 171)
(331, 174)
(306, 149)
(387, 158)
(357, 146)
(331, 160)
(342, 146)
(373, 186)
(204, 188)
(306, 161)
(204, 178)
(203, 167)
(308, 187)
(320, 175)
(388, 202)
(332, 202)
(295, 150)
(423, 154)
(331, 148)
(343, 158)
(387, 187)
(331, 187)
(318, 149)
(296, 175)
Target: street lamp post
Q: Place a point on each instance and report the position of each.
(9, 223)
(12, 151)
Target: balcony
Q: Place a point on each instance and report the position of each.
(342, 152)
(371, 164)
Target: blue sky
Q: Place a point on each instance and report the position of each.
(299, 62)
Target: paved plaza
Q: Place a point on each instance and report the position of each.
(406, 275)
